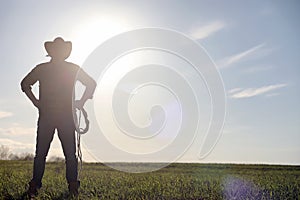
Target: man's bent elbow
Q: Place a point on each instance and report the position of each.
(24, 86)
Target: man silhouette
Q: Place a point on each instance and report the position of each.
(57, 80)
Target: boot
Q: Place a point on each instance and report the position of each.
(73, 188)
(32, 189)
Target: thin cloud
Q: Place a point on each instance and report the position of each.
(234, 90)
(238, 93)
(17, 131)
(13, 144)
(4, 114)
(207, 30)
(253, 52)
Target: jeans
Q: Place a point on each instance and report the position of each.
(47, 123)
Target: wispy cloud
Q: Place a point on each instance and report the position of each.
(4, 114)
(16, 145)
(17, 131)
(234, 90)
(239, 93)
(252, 53)
(207, 30)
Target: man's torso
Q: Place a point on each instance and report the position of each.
(56, 85)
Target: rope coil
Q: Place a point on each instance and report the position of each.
(80, 131)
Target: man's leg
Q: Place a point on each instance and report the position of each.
(44, 138)
(66, 134)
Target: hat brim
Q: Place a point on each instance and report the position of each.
(58, 49)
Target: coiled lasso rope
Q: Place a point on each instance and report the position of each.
(80, 131)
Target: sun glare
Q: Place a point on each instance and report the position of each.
(92, 32)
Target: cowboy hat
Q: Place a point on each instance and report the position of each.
(58, 48)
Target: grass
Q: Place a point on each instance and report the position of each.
(177, 181)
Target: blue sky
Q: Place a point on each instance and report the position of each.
(255, 45)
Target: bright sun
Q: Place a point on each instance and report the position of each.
(91, 33)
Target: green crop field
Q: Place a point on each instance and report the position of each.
(177, 181)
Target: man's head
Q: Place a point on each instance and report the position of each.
(58, 49)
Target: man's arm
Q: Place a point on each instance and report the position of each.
(26, 84)
(90, 86)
